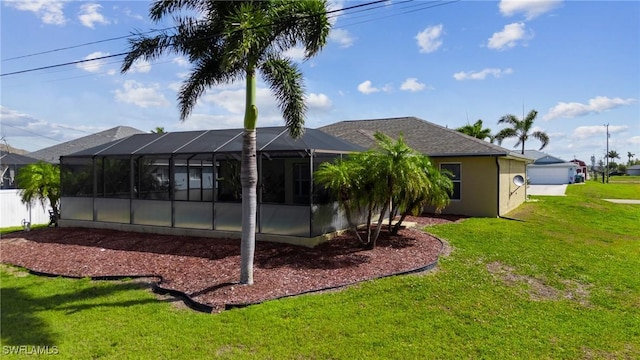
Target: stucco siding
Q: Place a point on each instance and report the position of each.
(511, 195)
(478, 186)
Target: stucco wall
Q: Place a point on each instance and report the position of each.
(478, 186)
(511, 196)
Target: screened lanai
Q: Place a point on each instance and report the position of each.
(191, 180)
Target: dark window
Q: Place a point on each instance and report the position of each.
(301, 183)
(228, 180)
(114, 177)
(272, 185)
(454, 174)
(152, 178)
(76, 177)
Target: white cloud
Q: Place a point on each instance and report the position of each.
(93, 66)
(530, 8)
(294, 53)
(318, 101)
(634, 140)
(429, 39)
(136, 93)
(49, 11)
(481, 75)
(595, 105)
(140, 66)
(412, 84)
(89, 15)
(181, 61)
(508, 37)
(342, 37)
(234, 100)
(199, 121)
(130, 14)
(585, 132)
(335, 5)
(367, 88)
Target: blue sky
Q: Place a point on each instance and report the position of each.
(576, 62)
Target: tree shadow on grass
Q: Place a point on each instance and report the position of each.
(23, 323)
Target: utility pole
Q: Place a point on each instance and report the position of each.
(607, 153)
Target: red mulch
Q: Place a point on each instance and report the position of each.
(207, 270)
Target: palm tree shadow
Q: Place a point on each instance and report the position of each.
(22, 323)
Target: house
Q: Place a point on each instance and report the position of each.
(10, 164)
(487, 178)
(550, 170)
(633, 170)
(12, 211)
(188, 183)
(581, 171)
(52, 154)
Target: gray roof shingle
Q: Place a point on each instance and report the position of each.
(428, 138)
(7, 158)
(542, 158)
(52, 154)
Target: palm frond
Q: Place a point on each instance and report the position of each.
(285, 81)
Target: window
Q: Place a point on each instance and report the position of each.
(301, 183)
(454, 174)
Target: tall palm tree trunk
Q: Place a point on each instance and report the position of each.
(249, 180)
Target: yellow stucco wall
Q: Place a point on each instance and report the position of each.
(511, 196)
(479, 186)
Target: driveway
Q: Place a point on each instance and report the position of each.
(547, 190)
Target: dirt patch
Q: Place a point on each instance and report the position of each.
(537, 289)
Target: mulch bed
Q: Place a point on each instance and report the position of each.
(207, 270)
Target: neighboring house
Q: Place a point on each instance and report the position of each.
(10, 164)
(582, 169)
(189, 183)
(487, 178)
(12, 211)
(633, 170)
(550, 170)
(52, 154)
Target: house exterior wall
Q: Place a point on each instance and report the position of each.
(478, 186)
(511, 195)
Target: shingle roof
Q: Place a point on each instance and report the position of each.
(15, 159)
(272, 139)
(428, 138)
(542, 158)
(52, 154)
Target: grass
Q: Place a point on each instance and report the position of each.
(624, 179)
(563, 283)
(11, 229)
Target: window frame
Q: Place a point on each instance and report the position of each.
(454, 180)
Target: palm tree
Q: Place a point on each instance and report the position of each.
(230, 41)
(40, 182)
(434, 189)
(612, 154)
(520, 129)
(630, 156)
(477, 131)
(344, 179)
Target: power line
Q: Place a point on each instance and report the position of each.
(125, 53)
(81, 45)
(63, 64)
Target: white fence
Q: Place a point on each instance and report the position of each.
(13, 212)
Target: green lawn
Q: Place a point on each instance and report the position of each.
(563, 283)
